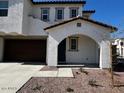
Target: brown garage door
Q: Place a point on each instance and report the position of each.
(25, 50)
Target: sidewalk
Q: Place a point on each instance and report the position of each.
(61, 72)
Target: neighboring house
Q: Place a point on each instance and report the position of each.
(53, 32)
(119, 46)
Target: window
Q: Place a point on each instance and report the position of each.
(73, 12)
(78, 24)
(3, 8)
(45, 14)
(59, 13)
(73, 43)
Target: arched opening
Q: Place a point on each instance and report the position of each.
(78, 50)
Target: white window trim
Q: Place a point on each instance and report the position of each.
(77, 11)
(71, 44)
(45, 14)
(56, 14)
(3, 8)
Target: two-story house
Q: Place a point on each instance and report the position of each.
(53, 32)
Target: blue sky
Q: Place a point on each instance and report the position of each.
(110, 12)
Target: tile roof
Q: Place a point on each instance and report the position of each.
(89, 11)
(58, 1)
(88, 20)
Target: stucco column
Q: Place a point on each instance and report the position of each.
(105, 55)
(52, 47)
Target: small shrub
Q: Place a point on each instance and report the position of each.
(70, 90)
(83, 71)
(37, 88)
(93, 83)
(77, 73)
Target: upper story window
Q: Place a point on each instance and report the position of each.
(73, 12)
(3, 8)
(59, 13)
(45, 14)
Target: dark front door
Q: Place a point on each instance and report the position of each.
(62, 51)
(25, 50)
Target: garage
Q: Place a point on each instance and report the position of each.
(24, 50)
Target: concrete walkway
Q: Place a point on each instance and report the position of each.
(61, 72)
(14, 75)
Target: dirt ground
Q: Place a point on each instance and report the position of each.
(84, 81)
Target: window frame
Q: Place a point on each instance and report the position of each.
(42, 9)
(70, 43)
(74, 8)
(56, 14)
(6, 9)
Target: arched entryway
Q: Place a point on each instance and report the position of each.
(78, 50)
(91, 31)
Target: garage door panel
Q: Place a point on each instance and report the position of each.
(25, 50)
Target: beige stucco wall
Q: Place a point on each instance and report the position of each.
(19, 22)
(98, 33)
(37, 10)
(36, 27)
(105, 54)
(13, 22)
(27, 9)
(33, 25)
(87, 51)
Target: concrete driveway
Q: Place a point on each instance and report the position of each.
(15, 75)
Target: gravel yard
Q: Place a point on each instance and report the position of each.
(84, 81)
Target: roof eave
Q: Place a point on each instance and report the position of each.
(59, 2)
(113, 29)
(89, 11)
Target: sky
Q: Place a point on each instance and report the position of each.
(110, 12)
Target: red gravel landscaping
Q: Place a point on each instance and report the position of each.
(84, 81)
